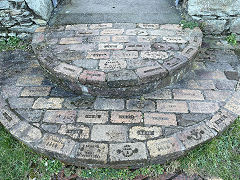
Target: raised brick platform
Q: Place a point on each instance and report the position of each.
(119, 132)
(119, 59)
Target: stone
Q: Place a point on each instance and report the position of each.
(190, 52)
(233, 104)
(57, 144)
(31, 116)
(89, 64)
(75, 131)
(225, 84)
(112, 31)
(221, 120)
(98, 55)
(144, 133)
(42, 8)
(187, 94)
(142, 105)
(26, 132)
(70, 71)
(172, 106)
(120, 39)
(126, 117)
(160, 119)
(20, 103)
(71, 40)
(90, 76)
(7, 118)
(178, 40)
(235, 25)
(29, 81)
(60, 116)
(127, 152)
(125, 54)
(106, 104)
(159, 94)
(154, 55)
(100, 26)
(48, 103)
(36, 91)
(164, 146)
(217, 95)
(110, 46)
(138, 47)
(175, 63)
(192, 118)
(195, 135)
(91, 116)
(203, 107)
(113, 133)
(112, 65)
(52, 128)
(148, 26)
(92, 151)
(135, 63)
(4, 4)
(214, 26)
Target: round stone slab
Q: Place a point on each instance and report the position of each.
(120, 132)
(116, 59)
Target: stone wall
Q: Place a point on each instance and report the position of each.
(218, 16)
(21, 17)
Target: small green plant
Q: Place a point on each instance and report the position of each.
(12, 43)
(189, 24)
(232, 39)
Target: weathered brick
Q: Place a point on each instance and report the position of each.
(98, 55)
(234, 103)
(125, 54)
(71, 40)
(115, 133)
(174, 40)
(148, 26)
(110, 46)
(76, 27)
(91, 116)
(210, 74)
(36, 91)
(154, 55)
(217, 95)
(123, 78)
(159, 94)
(225, 84)
(112, 65)
(48, 103)
(146, 38)
(138, 47)
(144, 133)
(203, 107)
(112, 31)
(40, 29)
(68, 70)
(7, 118)
(190, 52)
(187, 94)
(38, 38)
(105, 104)
(120, 39)
(29, 81)
(165, 46)
(160, 119)
(143, 105)
(126, 117)
(60, 116)
(20, 103)
(76, 131)
(136, 32)
(90, 76)
(172, 106)
(100, 26)
(98, 39)
(175, 63)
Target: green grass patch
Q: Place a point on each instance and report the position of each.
(232, 39)
(189, 24)
(13, 43)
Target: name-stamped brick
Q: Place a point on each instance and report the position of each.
(68, 70)
(144, 133)
(126, 117)
(91, 116)
(112, 65)
(92, 76)
(98, 55)
(172, 106)
(151, 72)
(120, 39)
(138, 47)
(160, 119)
(60, 116)
(187, 94)
(125, 54)
(112, 31)
(154, 55)
(110, 46)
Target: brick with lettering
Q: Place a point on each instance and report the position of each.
(172, 106)
(144, 133)
(110, 46)
(76, 27)
(138, 47)
(125, 54)
(91, 76)
(148, 26)
(203, 107)
(187, 94)
(98, 55)
(68, 70)
(126, 117)
(112, 65)
(179, 40)
(160, 119)
(120, 39)
(60, 116)
(92, 116)
(137, 32)
(36, 91)
(100, 26)
(154, 55)
(112, 31)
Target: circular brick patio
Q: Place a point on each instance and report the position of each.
(118, 132)
(116, 59)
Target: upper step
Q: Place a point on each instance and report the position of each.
(116, 59)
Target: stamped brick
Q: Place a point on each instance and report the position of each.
(57, 144)
(175, 27)
(172, 106)
(100, 26)
(146, 38)
(98, 39)
(159, 94)
(76, 27)
(154, 55)
(36, 91)
(123, 78)
(187, 94)
(105, 104)
(138, 47)
(29, 81)
(164, 146)
(175, 63)
(112, 65)
(68, 70)
(143, 105)
(217, 95)
(165, 46)
(221, 120)
(151, 73)
(125, 54)
(60, 116)
(135, 63)
(136, 32)
(126, 117)
(179, 40)
(83, 32)
(71, 40)
(162, 33)
(190, 52)
(127, 152)
(115, 133)
(76, 131)
(20, 103)
(203, 107)
(195, 135)
(144, 133)
(112, 31)
(92, 151)
(98, 55)
(73, 47)
(148, 26)
(120, 39)
(91, 116)
(48, 103)
(110, 46)
(160, 119)
(7, 118)
(234, 103)
(92, 76)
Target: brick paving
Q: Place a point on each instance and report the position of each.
(121, 131)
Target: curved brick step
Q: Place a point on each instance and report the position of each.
(116, 59)
(108, 132)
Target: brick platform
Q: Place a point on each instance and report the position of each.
(116, 59)
(119, 132)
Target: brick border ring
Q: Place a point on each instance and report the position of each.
(116, 59)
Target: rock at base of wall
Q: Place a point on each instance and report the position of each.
(235, 26)
(214, 26)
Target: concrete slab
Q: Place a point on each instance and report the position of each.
(127, 11)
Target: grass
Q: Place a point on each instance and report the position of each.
(232, 39)
(13, 43)
(217, 158)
